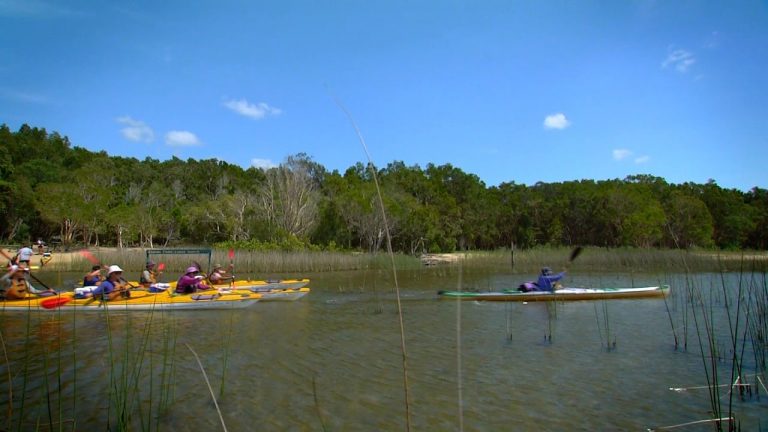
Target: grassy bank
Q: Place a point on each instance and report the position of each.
(529, 260)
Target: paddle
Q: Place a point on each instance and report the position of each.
(574, 254)
(95, 261)
(232, 266)
(55, 302)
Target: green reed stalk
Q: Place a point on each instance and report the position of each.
(671, 321)
(10, 379)
(597, 321)
(138, 366)
(26, 370)
(459, 366)
(227, 345)
(317, 404)
(394, 267)
(207, 382)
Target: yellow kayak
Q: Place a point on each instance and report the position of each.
(139, 300)
(270, 290)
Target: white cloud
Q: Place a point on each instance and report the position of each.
(556, 121)
(182, 139)
(680, 59)
(136, 130)
(642, 159)
(263, 163)
(620, 154)
(255, 111)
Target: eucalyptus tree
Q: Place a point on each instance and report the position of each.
(55, 202)
(290, 196)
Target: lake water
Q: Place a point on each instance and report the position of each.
(334, 360)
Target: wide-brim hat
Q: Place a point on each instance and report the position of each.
(114, 269)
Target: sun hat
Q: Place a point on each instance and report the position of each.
(192, 269)
(150, 264)
(114, 269)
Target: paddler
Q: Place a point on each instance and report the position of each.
(148, 276)
(219, 275)
(113, 287)
(15, 285)
(191, 282)
(547, 280)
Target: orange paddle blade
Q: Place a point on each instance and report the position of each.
(54, 302)
(89, 256)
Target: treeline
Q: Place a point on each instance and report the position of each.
(51, 189)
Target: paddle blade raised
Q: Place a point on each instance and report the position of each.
(53, 303)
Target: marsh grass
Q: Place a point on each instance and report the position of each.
(628, 260)
(248, 264)
(138, 364)
(728, 325)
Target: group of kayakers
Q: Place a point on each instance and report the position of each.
(114, 285)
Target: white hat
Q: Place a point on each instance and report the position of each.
(114, 268)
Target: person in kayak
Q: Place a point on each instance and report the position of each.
(113, 287)
(14, 284)
(148, 276)
(219, 275)
(547, 280)
(191, 282)
(93, 278)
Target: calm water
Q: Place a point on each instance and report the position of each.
(333, 361)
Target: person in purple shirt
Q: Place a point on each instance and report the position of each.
(113, 287)
(191, 282)
(546, 281)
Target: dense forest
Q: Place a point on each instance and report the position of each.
(52, 190)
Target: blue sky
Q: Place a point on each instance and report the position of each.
(521, 91)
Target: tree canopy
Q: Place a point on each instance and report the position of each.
(48, 188)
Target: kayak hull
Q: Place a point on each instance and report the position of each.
(139, 301)
(281, 294)
(564, 294)
(254, 285)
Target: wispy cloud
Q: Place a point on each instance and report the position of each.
(713, 41)
(621, 154)
(23, 96)
(136, 130)
(255, 111)
(182, 139)
(679, 59)
(263, 163)
(556, 121)
(642, 159)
